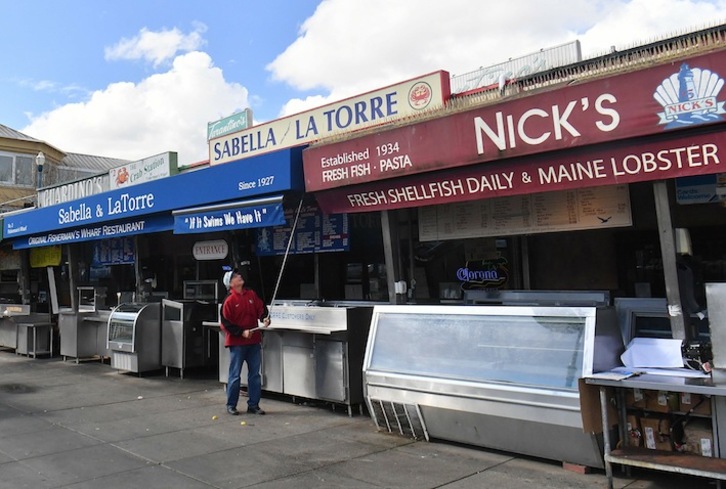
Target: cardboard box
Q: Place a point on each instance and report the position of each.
(635, 398)
(590, 410)
(662, 401)
(656, 433)
(634, 432)
(696, 402)
(698, 437)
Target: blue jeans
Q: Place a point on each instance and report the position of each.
(252, 354)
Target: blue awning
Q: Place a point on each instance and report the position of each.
(266, 174)
(253, 213)
(116, 229)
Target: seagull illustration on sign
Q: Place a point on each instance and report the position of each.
(603, 220)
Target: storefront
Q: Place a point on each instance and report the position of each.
(583, 186)
(145, 242)
(555, 185)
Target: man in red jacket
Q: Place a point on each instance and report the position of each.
(241, 311)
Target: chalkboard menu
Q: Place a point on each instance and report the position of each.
(587, 208)
(315, 233)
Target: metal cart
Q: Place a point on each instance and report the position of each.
(183, 338)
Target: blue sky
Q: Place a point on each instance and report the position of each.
(135, 78)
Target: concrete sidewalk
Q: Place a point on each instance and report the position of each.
(86, 425)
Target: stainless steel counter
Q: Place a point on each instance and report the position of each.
(701, 466)
(83, 334)
(704, 386)
(8, 328)
(311, 352)
(28, 333)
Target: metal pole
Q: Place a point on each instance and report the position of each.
(287, 251)
(668, 253)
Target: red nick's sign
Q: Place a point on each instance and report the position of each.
(621, 162)
(677, 95)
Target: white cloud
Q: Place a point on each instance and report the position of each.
(347, 48)
(165, 112)
(156, 47)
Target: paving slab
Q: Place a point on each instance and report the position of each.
(55, 439)
(152, 477)
(84, 464)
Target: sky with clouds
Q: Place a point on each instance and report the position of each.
(137, 78)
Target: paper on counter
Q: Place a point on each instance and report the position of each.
(653, 352)
(676, 372)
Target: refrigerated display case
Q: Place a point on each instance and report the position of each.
(184, 340)
(503, 377)
(134, 337)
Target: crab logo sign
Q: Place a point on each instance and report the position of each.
(420, 95)
(689, 98)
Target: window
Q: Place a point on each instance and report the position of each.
(6, 169)
(24, 169)
(17, 169)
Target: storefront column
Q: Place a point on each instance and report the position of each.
(138, 280)
(24, 277)
(668, 252)
(524, 251)
(391, 254)
(72, 275)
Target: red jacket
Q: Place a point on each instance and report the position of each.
(242, 309)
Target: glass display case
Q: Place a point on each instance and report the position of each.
(503, 377)
(134, 337)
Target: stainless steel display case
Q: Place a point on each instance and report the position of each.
(184, 340)
(502, 377)
(134, 337)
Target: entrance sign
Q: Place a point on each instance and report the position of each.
(210, 250)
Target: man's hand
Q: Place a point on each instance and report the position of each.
(266, 321)
(246, 334)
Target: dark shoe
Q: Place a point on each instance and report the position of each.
(255, 410)
(232, 410)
